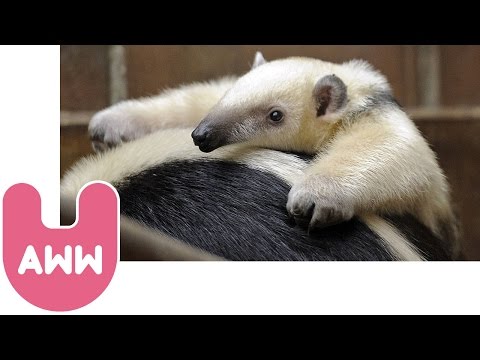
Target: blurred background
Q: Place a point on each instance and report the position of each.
(439, 85)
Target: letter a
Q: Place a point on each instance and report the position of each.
(30, 261)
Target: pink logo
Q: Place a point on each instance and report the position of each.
(65, 268)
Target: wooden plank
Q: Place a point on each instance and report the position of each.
(410, 75)
(445, 114)
(118, 74)
(428, 75)
(73, 118)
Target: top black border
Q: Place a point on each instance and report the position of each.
(288, 23)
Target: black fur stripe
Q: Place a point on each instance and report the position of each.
(236, 212)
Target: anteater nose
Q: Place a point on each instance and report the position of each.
(199, 136)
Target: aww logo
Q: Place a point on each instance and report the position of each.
(65, 268)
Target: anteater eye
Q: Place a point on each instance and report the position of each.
(276, 115)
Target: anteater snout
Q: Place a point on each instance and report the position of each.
(205, 138)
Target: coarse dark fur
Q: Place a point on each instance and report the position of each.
(238, 213)
(431, 247)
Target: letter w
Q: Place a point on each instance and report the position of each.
(94, 262)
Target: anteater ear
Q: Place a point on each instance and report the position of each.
(259, 60)
(330, 94)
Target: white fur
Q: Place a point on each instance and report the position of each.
(131, 158)
(174, 108)
(396, 244)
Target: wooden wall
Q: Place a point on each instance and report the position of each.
(83, 77)
(452, 129)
